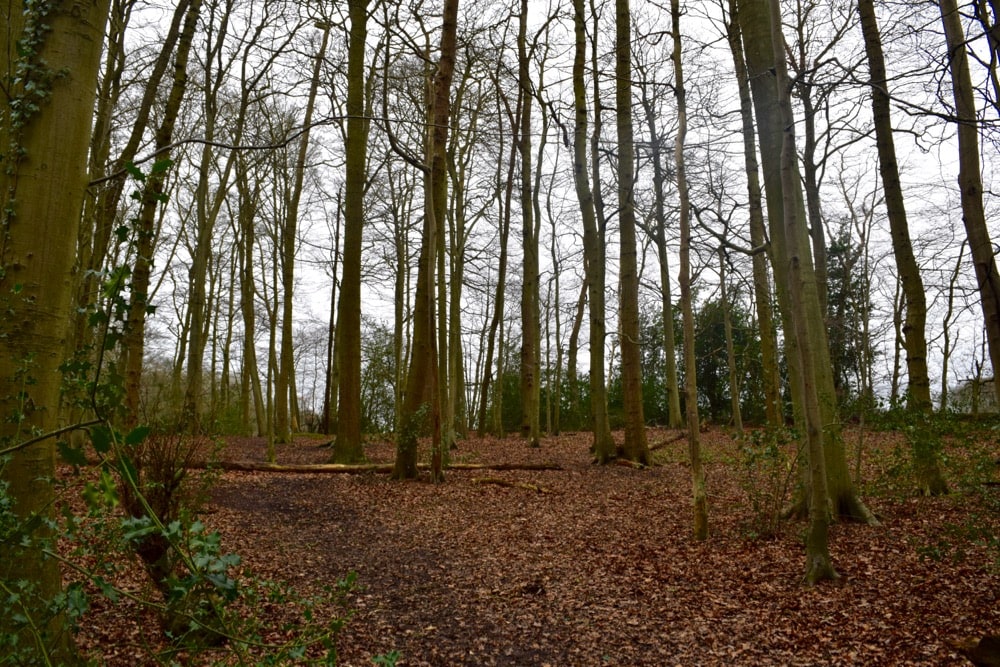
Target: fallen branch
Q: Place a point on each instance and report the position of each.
(663, 443)
(385, 468)
(513, 485)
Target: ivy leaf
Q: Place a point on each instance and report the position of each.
(136, 435)
(70, 454)
(134, 171)
(101, 438)
(161, 166)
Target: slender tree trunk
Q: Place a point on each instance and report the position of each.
(603, 446)
(810, 183)
(700, 497)
(971, 185)
(332, 380)
(152, 196)
(761, 65)
(494, 344)
(247, 212)
(572, 353)
(927, 466)
(102, 213)
(421, 406)
(727, 323)
(530, 327)
(285, 416)
(946, 347)
(674, 419)
(635, 447)
(802, 289)
(348, 447)
(773, 406)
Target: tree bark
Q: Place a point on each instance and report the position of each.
(603, 446)
(803, 293)
(347, 447)
(421, 407)
(970, 183)
(927, 466)
(699, 495)
(43, 176)
(530, 327)
(659, 236)
(635, 447)
(285, 412)
(152, 196)
(761, 65)
(773, 404)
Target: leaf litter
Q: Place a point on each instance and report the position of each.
(590, 565)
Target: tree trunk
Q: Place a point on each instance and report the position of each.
(971, 185)
(285, 412)
(659, 235)
(603, 446)
(102, 213)
(946, 347)
(572, 353)
(727, 323)
(494, 344)
(347, 447)
(700, 497)
(635, 447)
(146, 233)
(421, 407)
(247, 212)
(773, 404)
(42, 186)
(328, 424)
(761, 65)
(804, 297)
(530, 326)
(926, 461)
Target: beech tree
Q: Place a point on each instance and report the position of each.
(152, 195)
(421, 405)
(635, 447)
(773, 404)
(970, 182)
(593, 243)
(530, 327)
(699, 495)
(347, 447)
(755, 27)
(803, 303)
(928, 470)
(49, 63)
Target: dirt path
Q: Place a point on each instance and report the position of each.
(599, 569)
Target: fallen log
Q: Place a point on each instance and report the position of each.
(663, 443)
(356, 468)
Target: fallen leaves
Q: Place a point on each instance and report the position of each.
(576, 564)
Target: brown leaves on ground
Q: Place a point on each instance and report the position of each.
(595, 565)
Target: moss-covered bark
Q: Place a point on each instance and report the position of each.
(48, 70)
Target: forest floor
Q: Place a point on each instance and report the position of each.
(595, 565)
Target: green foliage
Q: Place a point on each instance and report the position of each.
(387, 659)
(767, 464)
(378, 377)
(141, 500)
(712, 362)
(848, 303)
(207, 600)
(712, 365)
